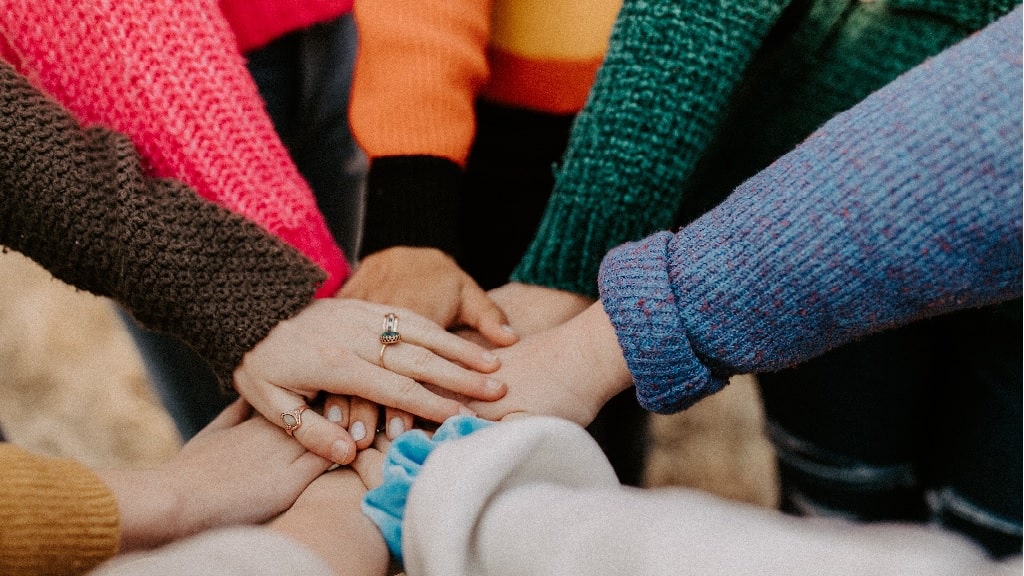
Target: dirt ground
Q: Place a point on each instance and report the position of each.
(72, 384)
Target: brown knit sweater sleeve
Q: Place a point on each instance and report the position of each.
(78, 202)
(56, 517)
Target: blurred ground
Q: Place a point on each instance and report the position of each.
(72, 384)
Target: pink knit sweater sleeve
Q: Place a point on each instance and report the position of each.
(168, 74)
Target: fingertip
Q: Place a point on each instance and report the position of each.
(496, 388)
(500, 335)
(343, 451)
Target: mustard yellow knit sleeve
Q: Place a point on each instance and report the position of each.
(56, 516)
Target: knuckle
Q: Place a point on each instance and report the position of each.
(408, 389)
(421, 359)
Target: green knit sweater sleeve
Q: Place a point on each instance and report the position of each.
(77, 201)
(671, 67)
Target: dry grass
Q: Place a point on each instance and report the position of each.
(72, 384)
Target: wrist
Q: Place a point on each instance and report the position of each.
(149, 506)
(604, 363)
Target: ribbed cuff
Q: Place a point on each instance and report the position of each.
(573, 238)
(56, 517)
(412, 201)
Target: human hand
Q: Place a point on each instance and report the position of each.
(333, 346)
(328, 519)
(236, 470)
(569, 371)
(430, 283)
(533, 308)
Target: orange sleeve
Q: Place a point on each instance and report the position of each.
(419, 68)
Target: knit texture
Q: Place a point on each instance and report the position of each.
(907, 206)
(412, 201)
(669, 78)
(420, 70)
(168, 74)
(422, 65)
(78, 203)
(56, 517)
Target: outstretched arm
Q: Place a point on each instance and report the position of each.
(906, 206)
(537, 496)
(78, 203)
(168, 74)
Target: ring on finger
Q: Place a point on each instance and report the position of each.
(390, 334)
(292, 419)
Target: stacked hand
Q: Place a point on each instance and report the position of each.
(334, 346)
(430, 283)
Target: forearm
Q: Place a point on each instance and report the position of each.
(77, 202)
(537, 496)
(418, 71)
(905, 207)
(343, 537)
(652, 110)
(233, 551)
(147, 506)
(169, 75)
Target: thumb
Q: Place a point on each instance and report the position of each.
(480, 313)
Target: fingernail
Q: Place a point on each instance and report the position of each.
(396, 427)
(493, 384)
(339, 451)
(508, 329)
(358, 431)
(490, 357)
(334, 414)
(466, 411)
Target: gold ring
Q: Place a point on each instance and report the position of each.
(293, 419)
(390, 334)
(382, 347)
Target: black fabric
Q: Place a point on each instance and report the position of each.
(509, 178)
(412, 201)
(941, 397)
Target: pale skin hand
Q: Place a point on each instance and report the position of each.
(236, 470)
(569, 371)
(333, 346)
(430, 283)
(534, 309)
(328, 519)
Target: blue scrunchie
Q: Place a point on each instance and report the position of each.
(385, 504)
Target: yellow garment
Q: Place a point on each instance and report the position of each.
(56, 516)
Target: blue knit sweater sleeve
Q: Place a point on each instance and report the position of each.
(906, 206)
